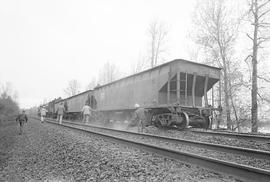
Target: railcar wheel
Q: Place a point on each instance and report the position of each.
(162, 120)
(157, 124)
(185, 121)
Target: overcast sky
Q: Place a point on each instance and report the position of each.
(44, 44)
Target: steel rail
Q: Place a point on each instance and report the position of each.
(242, 172)
(253, 137)
(210, 146)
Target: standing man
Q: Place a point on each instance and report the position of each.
(22, 118)
(140, 117)
(86, 111)
(42, 114)
(60, 112)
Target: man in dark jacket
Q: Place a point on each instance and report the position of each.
(21, 118)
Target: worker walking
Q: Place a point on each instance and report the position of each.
(21, 118)
(140, 117)
(43, 112)
(86, 111)
(60, 112)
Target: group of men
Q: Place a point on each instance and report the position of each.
(86, 112)
(139, 116)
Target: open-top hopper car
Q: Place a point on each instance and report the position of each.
(174, 95)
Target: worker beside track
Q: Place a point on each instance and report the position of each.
(140, 117)
(86, 111)
(22, 118)
(42, 114)
(60, 112)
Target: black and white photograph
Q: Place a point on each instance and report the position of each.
(134, 91)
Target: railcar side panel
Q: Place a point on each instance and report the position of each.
(57, 104)
(76, 103)
(151, 87)
(141, 89)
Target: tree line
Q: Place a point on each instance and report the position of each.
(220, 26)
(9, 107)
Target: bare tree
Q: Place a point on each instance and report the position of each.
(236, 89)
(92, 84)
(158, 35)
(15, 96)
(216, 31)
(73, 88)
(139, 65)
(44, 101)
(108, 74)
(6, 90)
(259, 9)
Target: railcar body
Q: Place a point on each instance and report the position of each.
(51, 107)
(159, 86)
(75, 103)
(172, 93)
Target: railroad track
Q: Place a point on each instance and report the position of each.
(265, 155)
(254, 137)
(244, 172)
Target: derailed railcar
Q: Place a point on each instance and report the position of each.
(172, 93)
(51, 107)
(74, 104)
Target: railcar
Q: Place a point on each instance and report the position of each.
(74, 104)
(174, 95)
(51, 107)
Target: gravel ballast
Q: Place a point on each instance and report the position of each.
(213, 139)
(47, 152)
(230, 157)
(188, 134)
